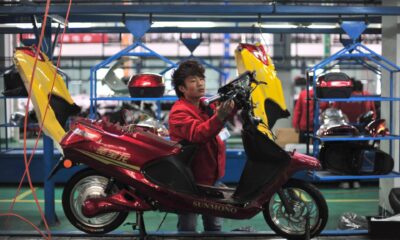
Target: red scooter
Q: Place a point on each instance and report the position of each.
(133, 169)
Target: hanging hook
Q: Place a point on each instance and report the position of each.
(366, 19)
(274, 7)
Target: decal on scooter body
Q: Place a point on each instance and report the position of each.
(107, 160)
(214, 206)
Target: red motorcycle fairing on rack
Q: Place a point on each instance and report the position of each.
(334, 85)
(377, 128)
(146, 85)
(339, 130)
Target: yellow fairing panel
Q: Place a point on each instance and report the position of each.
(41, 88)
(267, 98)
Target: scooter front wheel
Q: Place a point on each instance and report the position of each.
(310, 211)
(88, 184)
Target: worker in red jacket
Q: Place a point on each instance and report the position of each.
(353, 110)
(189, 121)
(299, 120)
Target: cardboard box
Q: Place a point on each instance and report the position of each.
(285, 136)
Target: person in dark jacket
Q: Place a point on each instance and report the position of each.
(299, 120)
(190, 121)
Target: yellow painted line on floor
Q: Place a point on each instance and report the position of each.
(24, 194)
(349, 191)
(351, 200)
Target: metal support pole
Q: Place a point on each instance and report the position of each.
(48, 149)
(226, 63)
(49, 206)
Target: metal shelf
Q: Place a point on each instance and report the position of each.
(327, 176)
(13, 97)
(15, 126)
(164, 98)
(363, 56)
(357, 99)
(359, 138)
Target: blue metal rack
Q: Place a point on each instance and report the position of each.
(138, 28)
(361, 55)
(191, 44)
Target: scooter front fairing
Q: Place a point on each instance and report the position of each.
(268, 98)
(61, 104)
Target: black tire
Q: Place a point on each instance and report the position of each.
(83, 184)
(303, 196)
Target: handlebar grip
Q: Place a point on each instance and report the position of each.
(211, 99)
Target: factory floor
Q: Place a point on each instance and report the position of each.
(362, 201)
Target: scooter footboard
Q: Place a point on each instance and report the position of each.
(266, 161)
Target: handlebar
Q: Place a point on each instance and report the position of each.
(232, 89)
(211, 99)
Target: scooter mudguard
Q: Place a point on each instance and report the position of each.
(267, 98)
(61, 104)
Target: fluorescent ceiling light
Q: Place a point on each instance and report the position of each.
(197, 24)
(317, 26)
(288, 26)
(18, 25)
(55, 25)
(279, 26)
(80, 25)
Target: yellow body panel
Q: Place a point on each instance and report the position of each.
(272, 90)
(41, 88)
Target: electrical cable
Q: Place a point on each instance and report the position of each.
(262, 37)
(162, 221)
(27, 163)
(26, 123)
(23, 219)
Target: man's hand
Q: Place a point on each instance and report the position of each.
(224, 109)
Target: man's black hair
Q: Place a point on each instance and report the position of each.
(186, 69)
(357, 85)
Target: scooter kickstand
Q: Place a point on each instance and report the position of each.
(140, 224)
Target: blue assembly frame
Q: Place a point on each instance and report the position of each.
(138, 28)
(360, 54)
(191, 44)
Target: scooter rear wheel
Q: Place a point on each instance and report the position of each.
(306, 201)
(85, 184)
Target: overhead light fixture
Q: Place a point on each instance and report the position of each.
(279, 26)
(197, 24)
(320, 26)
(17, 25)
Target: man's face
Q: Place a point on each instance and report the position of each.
(193, 87)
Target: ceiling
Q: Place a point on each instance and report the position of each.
(229, 16)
